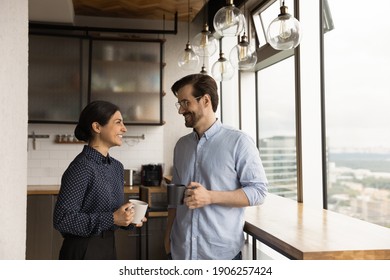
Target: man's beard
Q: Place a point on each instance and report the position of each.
(191, 120)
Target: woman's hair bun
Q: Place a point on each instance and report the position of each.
(80, 134)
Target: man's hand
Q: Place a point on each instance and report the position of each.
(197, 196)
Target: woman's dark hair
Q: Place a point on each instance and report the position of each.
(96, 111)
(202, 84)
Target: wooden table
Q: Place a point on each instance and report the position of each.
(300, 232)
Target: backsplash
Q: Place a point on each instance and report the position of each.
(48, 161)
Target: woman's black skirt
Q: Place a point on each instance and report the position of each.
(100, 247)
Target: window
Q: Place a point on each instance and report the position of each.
(276, 107)
(357, 114)
(276, 126)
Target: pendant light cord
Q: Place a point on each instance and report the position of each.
(164, 26)
(206, 12)
(205, 20)
(188, 27)
(246, 17)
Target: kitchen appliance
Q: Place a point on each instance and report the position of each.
(128, 174)
(151, 174)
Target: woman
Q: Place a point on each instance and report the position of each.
(89, 207)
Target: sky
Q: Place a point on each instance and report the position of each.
(357, 76)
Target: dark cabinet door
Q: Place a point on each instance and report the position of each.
(128, 74)
(55, 79)
(43, 241)
(67, 72)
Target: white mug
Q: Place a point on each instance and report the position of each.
(140, 208)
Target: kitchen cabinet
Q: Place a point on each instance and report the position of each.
(147, 242)
(55, 71)
(44, 242)
(68, 72)
(129, 74)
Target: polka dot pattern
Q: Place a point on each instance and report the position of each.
(91, 190)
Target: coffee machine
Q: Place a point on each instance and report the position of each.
(151, 174)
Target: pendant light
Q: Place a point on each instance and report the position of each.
(243, 56)
(229, 20)
(284, 32)
(222, 69)
(188, 59)
(204, 43)
(203, 71)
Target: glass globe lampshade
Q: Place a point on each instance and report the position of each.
(222, 69)
(243, 56)
(284, 32)
(188, 60)
(229, 20)
(204, 43)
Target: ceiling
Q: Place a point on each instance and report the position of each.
(139, 9)
(64, 11)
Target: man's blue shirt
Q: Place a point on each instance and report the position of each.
(223, 159)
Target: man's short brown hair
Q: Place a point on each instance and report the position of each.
(202, 84)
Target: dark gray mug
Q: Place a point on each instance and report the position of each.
(175, 194)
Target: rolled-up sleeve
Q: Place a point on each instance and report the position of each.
(251, 171)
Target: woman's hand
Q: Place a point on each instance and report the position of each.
(142, 222)
(124, 215)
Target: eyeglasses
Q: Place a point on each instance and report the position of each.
(184, 103)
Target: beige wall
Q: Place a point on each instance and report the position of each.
(13, 124)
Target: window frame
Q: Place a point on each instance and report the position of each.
(268, 56)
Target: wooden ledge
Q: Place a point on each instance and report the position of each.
(300, 232)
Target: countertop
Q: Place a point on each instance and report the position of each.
(303, 232)
(54, 189)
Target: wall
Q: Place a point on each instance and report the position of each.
(174, 127)
(13, 122)
(49, 160)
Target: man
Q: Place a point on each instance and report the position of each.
(222, 170)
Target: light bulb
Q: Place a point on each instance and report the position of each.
(284, 32)
(229, 20)
(222, 69)
(204, 43)
(243, 56)
(188, 60)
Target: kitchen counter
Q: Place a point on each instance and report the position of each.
(54, 189)
(145, 193)
(43, 189)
